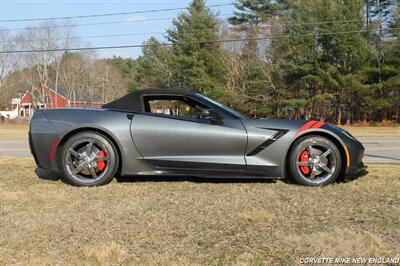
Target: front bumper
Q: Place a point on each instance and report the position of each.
(356, 167)
(357, 172)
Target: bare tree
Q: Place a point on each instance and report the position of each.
(7, 64)
(49, 37)
(109, 82)
(82, 74)
(64, 40)
(74, 71)
(90, 80)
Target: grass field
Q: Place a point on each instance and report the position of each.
(13, 131)
(183, 222)
(374, 131)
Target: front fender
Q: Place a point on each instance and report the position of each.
(351, 149)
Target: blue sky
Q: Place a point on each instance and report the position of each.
(17, 9)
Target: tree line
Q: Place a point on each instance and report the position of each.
(79, 76)
(331, 60)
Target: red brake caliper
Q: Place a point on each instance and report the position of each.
(101, 164)
(304, 156)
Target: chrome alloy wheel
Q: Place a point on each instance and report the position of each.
(87, 160)
(316, 162)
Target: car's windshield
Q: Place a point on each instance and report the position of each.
(225, 108)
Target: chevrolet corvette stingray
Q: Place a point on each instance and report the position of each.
(179, 133)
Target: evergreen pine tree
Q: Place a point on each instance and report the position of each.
(196, 59)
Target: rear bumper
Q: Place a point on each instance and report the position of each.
(32, 148)
(42, 137)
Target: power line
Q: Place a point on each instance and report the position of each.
(159, 32)
(96, 23)
(106, 36)
(109, 14)
(324, 22)
(93, 36)
(169, 18)
(117, 14)
(303, 23)
(193, 43)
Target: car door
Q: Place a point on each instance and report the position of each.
(171, 141)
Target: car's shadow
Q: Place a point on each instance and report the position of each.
(47, 175)
(194, 179)
(132, 179)
(52, 176)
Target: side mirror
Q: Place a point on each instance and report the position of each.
(210, 114)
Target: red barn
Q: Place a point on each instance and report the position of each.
(47, 99)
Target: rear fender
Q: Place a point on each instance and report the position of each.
(43, 138)
(85, 128)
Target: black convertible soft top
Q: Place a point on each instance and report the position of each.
(134, 101)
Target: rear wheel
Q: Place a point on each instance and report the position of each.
(315, 161)
(89, 159)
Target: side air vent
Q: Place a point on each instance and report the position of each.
(268, 142)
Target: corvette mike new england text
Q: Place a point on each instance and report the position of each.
(376, 260)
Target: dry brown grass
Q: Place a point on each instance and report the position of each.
(374, 131)
(14, 131)
(183, 222)
(383, 123)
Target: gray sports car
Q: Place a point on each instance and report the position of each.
(177, 133)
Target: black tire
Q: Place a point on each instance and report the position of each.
(75, 155)
(322, 169)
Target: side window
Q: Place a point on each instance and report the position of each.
(174, 107)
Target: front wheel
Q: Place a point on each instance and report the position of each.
(314, 161)
(89, 159)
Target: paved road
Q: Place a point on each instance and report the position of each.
(378, 150)
(381, 150)
(14, 147)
